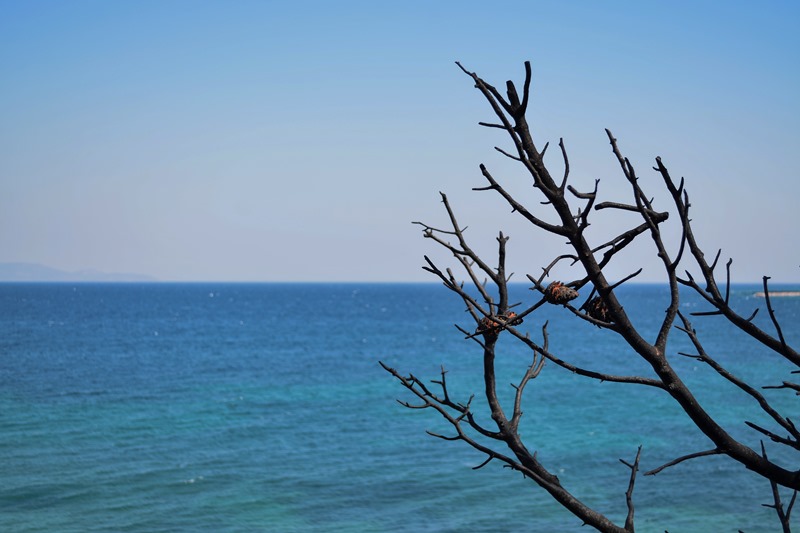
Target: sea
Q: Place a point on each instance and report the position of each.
(186, 407)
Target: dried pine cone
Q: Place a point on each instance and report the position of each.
(511, 319)
(558, 293)
(489, 327)
(596, 308)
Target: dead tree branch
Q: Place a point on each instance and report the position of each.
(483, 288)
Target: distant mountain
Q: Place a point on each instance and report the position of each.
(36, 272)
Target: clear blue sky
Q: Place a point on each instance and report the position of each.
(259, 140)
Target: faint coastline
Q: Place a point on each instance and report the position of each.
(33, 272)
(760, 294)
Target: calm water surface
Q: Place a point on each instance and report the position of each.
(262, 407)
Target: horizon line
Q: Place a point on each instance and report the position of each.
(310, 282)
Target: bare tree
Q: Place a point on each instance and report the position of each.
(565, 212)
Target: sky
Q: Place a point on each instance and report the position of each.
(298, 141)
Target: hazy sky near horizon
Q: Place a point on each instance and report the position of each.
(297, 141)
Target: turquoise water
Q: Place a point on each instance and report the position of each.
(262, 407)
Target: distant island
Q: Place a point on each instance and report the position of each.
(33, 272)
(778, 293)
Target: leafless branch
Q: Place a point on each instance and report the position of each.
(757, 396)
(681, 459)
(784, 516)
(629, 493)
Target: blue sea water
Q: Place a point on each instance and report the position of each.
(262, 407)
